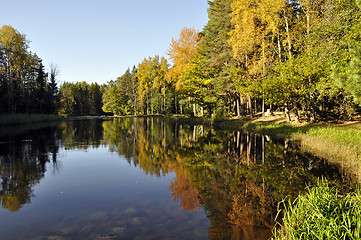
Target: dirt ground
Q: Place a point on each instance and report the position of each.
(276, 117)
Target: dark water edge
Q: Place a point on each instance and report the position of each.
(148, 178)
(22, 120)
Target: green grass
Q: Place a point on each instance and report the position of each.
(338, 134)
(322, 213)
(348, 136)
(230, 123)
(16, 119)
(282, 130)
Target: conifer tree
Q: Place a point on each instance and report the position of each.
(53, 89)
(216, 53)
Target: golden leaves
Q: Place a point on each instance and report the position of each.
(181, 52)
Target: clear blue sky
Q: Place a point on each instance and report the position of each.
(97, 40)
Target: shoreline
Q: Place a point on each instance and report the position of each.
(20, 119)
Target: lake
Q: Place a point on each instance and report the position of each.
(147, 178)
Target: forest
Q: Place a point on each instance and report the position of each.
(301, 57)
(25, 87)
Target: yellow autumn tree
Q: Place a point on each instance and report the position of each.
(152, 85)
(159, 71)
(144, 85)
(181, 53)
(256, 24)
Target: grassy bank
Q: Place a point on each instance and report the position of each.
(339, 144)
(343, 134)
(322, 213)
(16, 119)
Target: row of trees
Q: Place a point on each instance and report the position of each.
(80, 99)
(303, 56)
(25, 87)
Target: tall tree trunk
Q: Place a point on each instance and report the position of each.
(175, 102)
(10, 89)
(246, 61)
(164, 109)
(242, 106)
(146, 110)
(296, 112)
(263, 105)
(297, 116)
(263, 58)
(250, 105)
(308, 24)
(151, 101)
(148, 104)
(255, 106)
(287, 113)
(279, 46)
(230, 103)
(312, 104)
(288, 37)
(237, 107)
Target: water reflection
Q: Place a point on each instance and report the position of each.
(81, 134)
(236, 178)
(22, 164)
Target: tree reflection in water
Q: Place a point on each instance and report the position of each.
(23, 159)
(237, 178)
(182, 189)
(25, 151)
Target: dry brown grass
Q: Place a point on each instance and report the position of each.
(336, 153)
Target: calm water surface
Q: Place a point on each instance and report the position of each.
(146, 178)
